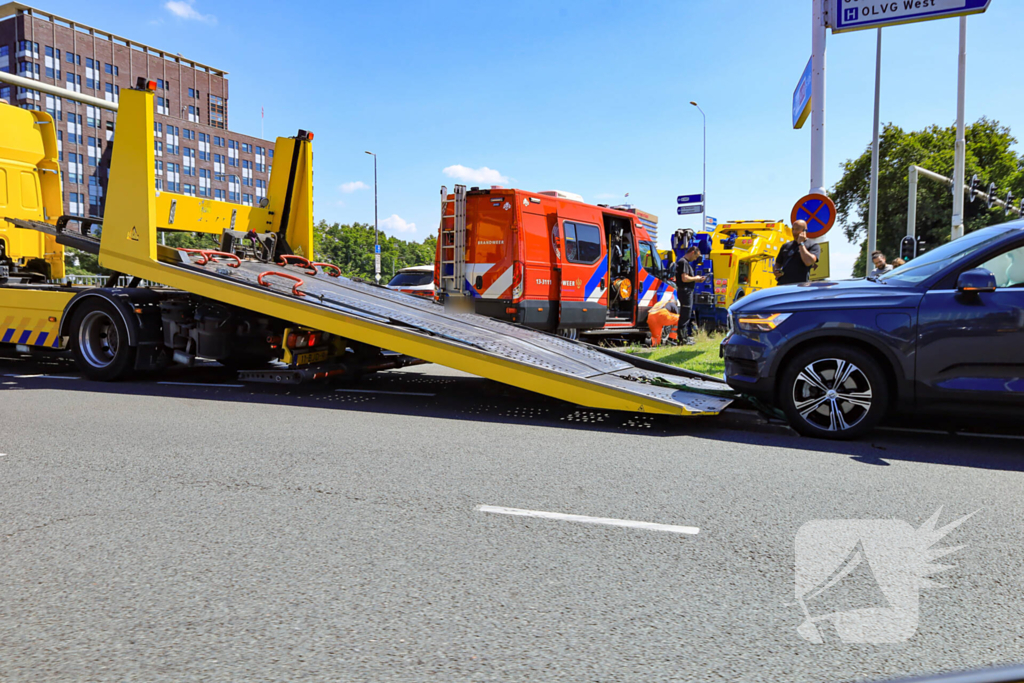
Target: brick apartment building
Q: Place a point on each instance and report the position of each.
(196, 154)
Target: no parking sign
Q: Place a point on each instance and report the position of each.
(818, 211)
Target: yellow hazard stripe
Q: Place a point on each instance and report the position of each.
(31, 332)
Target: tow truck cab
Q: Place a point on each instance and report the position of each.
(548, 260)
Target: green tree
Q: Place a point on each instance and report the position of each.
(988, 155)
(350, 247)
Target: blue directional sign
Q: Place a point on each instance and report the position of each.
(692, 208)
(376, 248)
(690, 199)
(845, 15)
(802, 97)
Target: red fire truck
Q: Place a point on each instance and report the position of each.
(549, 261)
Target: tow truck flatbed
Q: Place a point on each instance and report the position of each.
(272, 293)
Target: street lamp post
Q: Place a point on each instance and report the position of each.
(376, 239)
(704, 181)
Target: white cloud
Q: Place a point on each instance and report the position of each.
(395, 223)
(185, 9)
(481, 176)
(348, 188)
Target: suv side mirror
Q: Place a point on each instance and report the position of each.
(976, 280)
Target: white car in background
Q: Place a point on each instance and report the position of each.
(416, 280)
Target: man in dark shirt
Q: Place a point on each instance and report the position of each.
(686, 281)
(795, 260)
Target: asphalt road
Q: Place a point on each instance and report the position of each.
(166, 532)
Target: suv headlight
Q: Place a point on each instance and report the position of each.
(760, 322)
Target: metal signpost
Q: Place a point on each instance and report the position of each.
(687, 210)
(856, 15)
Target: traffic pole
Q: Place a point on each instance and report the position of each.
(818, 97)
(959, 161)
(873, 193)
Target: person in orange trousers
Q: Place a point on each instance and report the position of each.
(664, 315)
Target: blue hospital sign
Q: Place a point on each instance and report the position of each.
(854, 15)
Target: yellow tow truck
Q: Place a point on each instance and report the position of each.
(259, 302)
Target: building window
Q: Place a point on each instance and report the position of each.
(219, 141)
(246, 172)
(28, 70)
(110, 69)
(113, 92)
(74, 128)
(72, 58)
(188, 134)
(216, 112)
(188, 161)
(220, 195)
(192, 93)
(92, 74)
(52, 63)
(247, 199)
(53, 107)
(204, 147)
(163, 106)
(27, 48)
(190, 190)
(92, 116)
(73, 82)
(158, 129)
(5, 92)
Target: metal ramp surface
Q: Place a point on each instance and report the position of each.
(533, 360)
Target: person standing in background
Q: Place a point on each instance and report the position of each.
(686, 282)
(796, 258)
(881, 267)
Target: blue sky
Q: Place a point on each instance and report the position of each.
(590, 97)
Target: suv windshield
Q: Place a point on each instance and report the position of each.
(928, 264)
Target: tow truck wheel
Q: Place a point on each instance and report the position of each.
(99, 342)
(832, 392)
(571, 333)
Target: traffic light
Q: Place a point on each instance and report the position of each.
(974, 187)
(908, 248)
(1009, 202)
(991, 196)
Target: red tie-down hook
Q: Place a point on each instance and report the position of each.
(208, 255)
(336, 270)
(300, 261)
(288, 276)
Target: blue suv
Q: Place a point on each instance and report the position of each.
(942, 333)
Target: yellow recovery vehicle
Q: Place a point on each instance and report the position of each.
(259, 298)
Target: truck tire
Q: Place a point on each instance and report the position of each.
(99, 341)
(833, 392)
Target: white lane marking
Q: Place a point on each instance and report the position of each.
(650, 526)
(378, 391)
(200, 384)
(46, 376)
